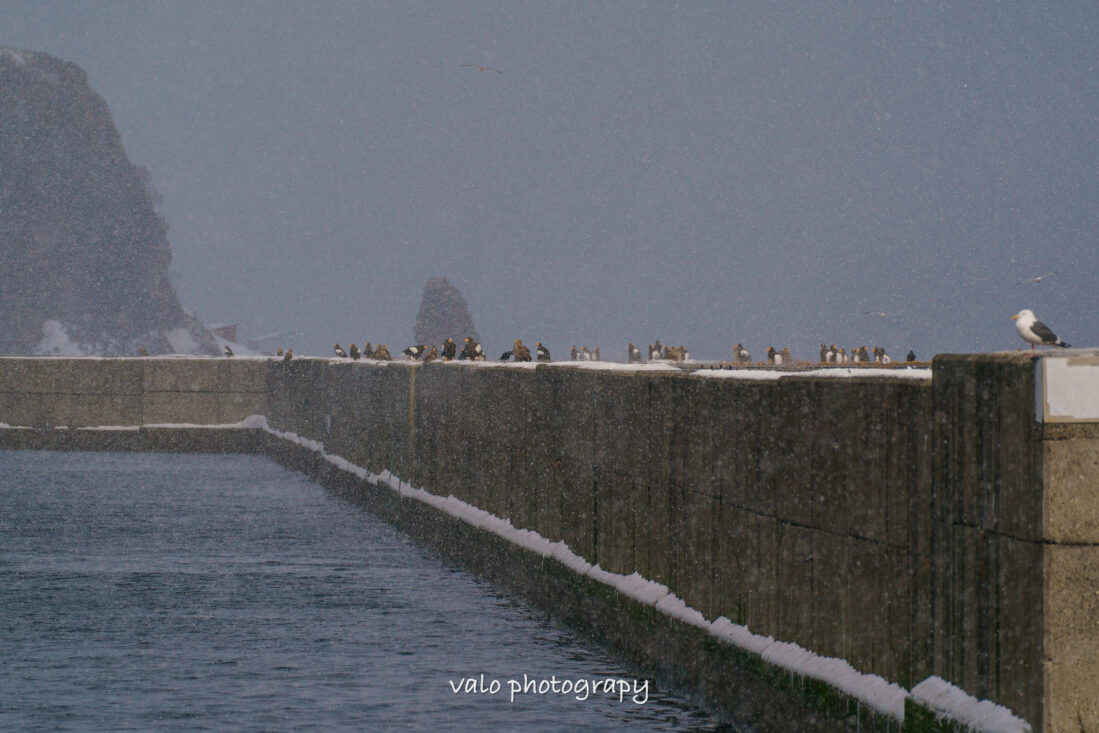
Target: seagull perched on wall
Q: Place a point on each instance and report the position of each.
(1035, 332)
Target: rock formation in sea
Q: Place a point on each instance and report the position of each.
(83, 253)
(443, 313)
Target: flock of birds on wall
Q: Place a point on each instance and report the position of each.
(1030, 329)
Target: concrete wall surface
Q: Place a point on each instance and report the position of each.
(78, 392)
(913, 527)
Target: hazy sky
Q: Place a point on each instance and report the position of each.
(701, 173)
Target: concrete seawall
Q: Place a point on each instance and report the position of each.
(914, 527)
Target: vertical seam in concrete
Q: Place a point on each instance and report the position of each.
(410, 451)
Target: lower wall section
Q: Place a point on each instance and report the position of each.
(919, 525)
(728, 680)
(138, 439)
(773, 686)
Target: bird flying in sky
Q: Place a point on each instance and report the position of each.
(483, 68)
(1038, 279)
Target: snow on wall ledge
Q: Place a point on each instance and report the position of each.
(1068, 387)
(359, 412)
(950, 703)
(945, 700)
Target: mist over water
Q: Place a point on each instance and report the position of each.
(145, 591)
(771, 173)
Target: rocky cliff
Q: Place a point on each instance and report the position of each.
(443, 312)
(83, 253)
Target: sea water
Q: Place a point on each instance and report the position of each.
(148, 591)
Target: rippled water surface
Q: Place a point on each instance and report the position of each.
(143, 591)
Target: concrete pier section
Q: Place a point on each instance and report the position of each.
(927, 527)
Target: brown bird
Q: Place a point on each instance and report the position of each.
(483, 68)
(519, 352)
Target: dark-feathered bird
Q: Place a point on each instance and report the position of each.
(368, 351)
(633, 354)
(472, 351)
(449, 349)
(415, 351)
(354, 352)
(542, 352)
(381, 353)
(911, 356)
(505, 356)
(520, 352)
(288, 355)
(432, 354)
(741, 354)
(574, 354)
(339, 351)
(228, 351)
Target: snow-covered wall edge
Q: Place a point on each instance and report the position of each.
(949, 704)
(849, 516)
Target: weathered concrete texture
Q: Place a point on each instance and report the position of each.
(1071, 638)
(679, 655)
(51, 391)
(151, 440)
(912, 528)
(1071, 497)
(1015, 506)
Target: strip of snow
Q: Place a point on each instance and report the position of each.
(617, 366)
(112, 427)
(950, 701)
(55, 340)
(872, 690)
(5, 426)
(18, 57)
(770, 374)
(181, 341)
